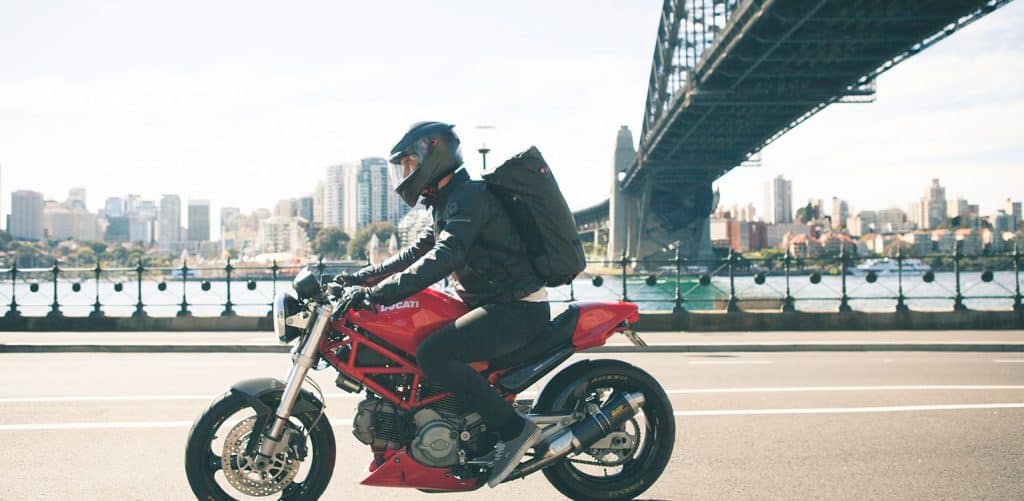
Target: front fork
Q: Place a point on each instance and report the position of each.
(307, 355)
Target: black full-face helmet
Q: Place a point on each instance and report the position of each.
(436, 147)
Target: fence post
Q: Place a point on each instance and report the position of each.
(1017, 306)
(273, 286)
(97, 312)
(139, 311)
(572, 291)
(958, 300)
(732, 306)
(623, 262)
(787, 302)
(13, 312)
(901, 305)
(228, 311)
(844, 300)
(55, 306)
(183, 312)
(678, 308)
(320, 266)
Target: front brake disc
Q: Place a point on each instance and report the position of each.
(240, 470)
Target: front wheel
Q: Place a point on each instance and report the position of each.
(218, 468)
(629, 460)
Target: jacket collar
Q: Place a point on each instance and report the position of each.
(459, 178)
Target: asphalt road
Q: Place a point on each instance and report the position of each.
(904, 425)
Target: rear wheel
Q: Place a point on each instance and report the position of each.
(628, 461)
(218, 468)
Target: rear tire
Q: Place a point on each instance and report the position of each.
(201, 462)
(570, 388)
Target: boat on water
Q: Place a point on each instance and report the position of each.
(886, 266)
(176, 274)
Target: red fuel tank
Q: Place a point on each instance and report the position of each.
(407, 323)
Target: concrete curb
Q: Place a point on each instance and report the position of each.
(693, 348)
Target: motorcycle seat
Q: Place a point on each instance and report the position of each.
(556, 335)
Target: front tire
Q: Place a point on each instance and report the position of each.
(589, 382)
(204, 465)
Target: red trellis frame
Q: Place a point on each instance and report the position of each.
(357, 341)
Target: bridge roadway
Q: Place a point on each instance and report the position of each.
(908, 425)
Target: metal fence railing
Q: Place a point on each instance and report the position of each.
(841, 282)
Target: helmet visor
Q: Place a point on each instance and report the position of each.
(404, 163)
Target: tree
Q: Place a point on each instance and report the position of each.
(357, 247)
(805, 214)
(330, 242)
(5, 238)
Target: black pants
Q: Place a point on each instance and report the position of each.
(485, 333)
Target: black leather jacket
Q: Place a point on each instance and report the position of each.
(473, 238)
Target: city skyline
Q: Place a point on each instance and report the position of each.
(207, 109)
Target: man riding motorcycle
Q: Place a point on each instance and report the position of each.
(473, 238)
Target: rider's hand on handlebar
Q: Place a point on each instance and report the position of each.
(359, 298)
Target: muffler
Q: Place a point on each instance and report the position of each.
(585, 433)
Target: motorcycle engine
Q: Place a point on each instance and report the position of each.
(381, 425)
(437, 441)
(435, 435)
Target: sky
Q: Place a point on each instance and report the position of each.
(246, 103)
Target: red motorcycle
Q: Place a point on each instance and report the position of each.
(608, 427)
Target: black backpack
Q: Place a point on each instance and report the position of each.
(530, 194)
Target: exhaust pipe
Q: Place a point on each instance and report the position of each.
(586, 432)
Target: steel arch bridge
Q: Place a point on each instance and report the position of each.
(728, 77)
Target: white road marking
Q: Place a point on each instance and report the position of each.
(1009, 360)
(785, 389)
(849, 410)
(789, 389)
(730, 362)
(719, 412)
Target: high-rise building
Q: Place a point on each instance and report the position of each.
(142, 220)
(114, 207)
(339, 198)
(778, 200)
(1013, 209)
(863, 223)
(170, 224)
(285, 208)
(892, 220)
(118, 229)
(76, 198)
(229, 219)
(840, 212)
(375, 200)
(817, 208)
(1003, 222)
(26, 215)
(959, 211)
(933, 206)
(198, 220)
(318, 203)
(304, 207)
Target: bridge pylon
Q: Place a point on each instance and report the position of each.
(652, 221)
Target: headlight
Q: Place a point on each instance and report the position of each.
(286, 305)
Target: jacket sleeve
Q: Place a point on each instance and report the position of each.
(466, 213)
(371, 275)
